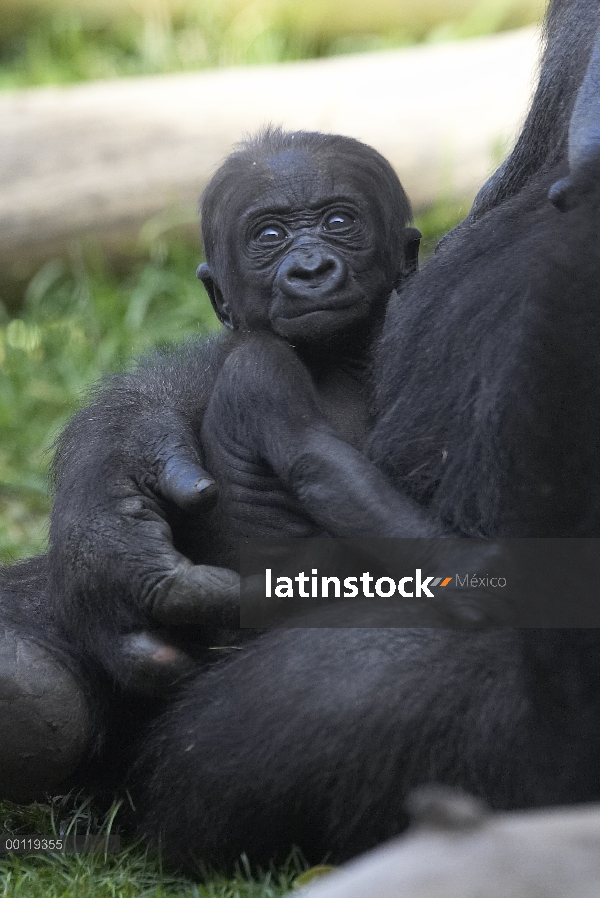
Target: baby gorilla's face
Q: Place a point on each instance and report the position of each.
(307, 256)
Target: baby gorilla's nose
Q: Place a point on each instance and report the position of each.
(305, 271)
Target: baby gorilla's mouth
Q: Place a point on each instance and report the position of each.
(317, 310)
(316, 303)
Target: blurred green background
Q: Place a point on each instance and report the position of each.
(49, 41)
(84, 316)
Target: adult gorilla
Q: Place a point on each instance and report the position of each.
(503, 315)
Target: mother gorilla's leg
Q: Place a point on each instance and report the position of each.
(312, 737)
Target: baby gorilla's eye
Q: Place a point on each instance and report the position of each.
(271, 234)
(338, 221)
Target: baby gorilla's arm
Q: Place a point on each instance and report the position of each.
(265, 402)
(127, 467)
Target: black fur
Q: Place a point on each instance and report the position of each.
(505, 445)
(314, 737)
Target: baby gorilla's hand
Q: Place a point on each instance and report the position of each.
(114, 567)
(185, 594)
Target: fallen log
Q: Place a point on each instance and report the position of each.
(103, 158)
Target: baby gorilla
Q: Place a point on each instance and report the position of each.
(306, 236)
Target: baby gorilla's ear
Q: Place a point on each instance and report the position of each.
(412, 241)
(218, 302)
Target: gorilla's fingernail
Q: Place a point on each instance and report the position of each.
(203, 484)
(207, 491)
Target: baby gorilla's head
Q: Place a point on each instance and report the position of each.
(305, 235)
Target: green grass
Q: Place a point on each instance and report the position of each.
(131, 872)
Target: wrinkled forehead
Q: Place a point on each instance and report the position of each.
(298, 179)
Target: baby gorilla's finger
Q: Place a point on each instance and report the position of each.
(196, 595)
(154, 665)
(184, 483)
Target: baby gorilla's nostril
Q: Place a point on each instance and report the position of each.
(302, 272)
(307, 272)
